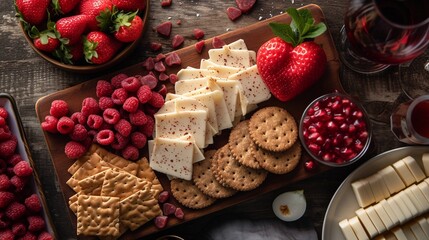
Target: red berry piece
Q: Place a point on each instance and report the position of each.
(35, 223)
(163, 77)
(168, 209)
(65, 125)
(89, 106)
(130, 152)
(15, 210)
(79, 133)
(163, 90)
(120, 142)
(310, 165)
(3, 113)
(23, 169)
(199, 46)
(7, 234)
(156, 100)
(78, 117)
(105, 137)
(149, 80)
(59, 108)
(144, 94)
(161, 221)
(149, 63)
(123, 127)
(148, 128)
(198, 33)
(119, 96)
(6, 198)
(18, 182)
(138, 118)
(233, 13)
(2, 121)
(163, 196)
(179, 213)
(3, 166)
(8, 147)
(103, 88)
(155, 46)
(131, 84)
(45, 236)
(117, 80)
(5, 133)
(159, 67)
(173, 78)
(173, 59)
(111, 116)
(74, 150)
(217, 42)
(19, 229)
(105, 103)
(33, 203)
(94, 121)
(164, 29)
(50, 124)
(245, 5)
(29, 236)
(159, 57)
(14, 159)
(138, 140)
(131, 104)
(5, 183)
(166, 3)
(177, 41)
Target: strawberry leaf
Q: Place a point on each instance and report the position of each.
(283, 31)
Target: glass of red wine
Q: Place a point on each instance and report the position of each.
(380, 33)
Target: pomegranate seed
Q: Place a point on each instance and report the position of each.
(310, 165)
(312, 137)
(344, 127)
(332, 126)
(314, 148)
(352, 128)
(357, 114)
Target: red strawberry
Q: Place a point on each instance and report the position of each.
(71, 28)
(95, 8)
(64, 6)
(128, 27)
(33, 12)
(46, 40)
(130, 5)
(100, 47)
(288, 66)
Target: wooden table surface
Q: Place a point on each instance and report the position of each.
(27, 77)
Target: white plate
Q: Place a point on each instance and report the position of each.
(343, 204)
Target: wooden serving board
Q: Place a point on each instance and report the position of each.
(254, 36)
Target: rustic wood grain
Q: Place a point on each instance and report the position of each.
(28, 77)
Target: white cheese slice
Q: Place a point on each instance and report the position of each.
(425, 161)
(172, 157)
(418, 231)
(231, 93)
(392, 180)
(363, 193)
(383, 216)
(411, 193)
(389, 212)
(358, 228)
(347, 230)
(399, 233)
(404, 172)
(254, 87)
(188, 85)
(376, 220)
(198, 154)
(408, 232)
(218, 70)
(189, 73)
(175, 125)
(252, 56)
(424, 224)
(230, 57)
(410, 205)
(238, 45)
(424, 187)
(378, 187)
(414, 167)
(404, 209)
(366, 222)
(396, 210)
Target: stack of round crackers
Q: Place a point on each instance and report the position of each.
(267, 142)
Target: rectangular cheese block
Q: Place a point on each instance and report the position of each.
(172, 157)
(399, 233)
(396, 210)
(410, 205)
(383, 216)
(408, 232)
(404, 172)
(392, 180)
(424, 224)
(414, 167)
(418, 194)
(389, 212)
(363, 192)
(358, 228)
(347, 230)
(366, 222)
(418, 231)
(401, 204)
(378, 187)
(424, 187)
(376, 220)
(238, 45)
(425, 161)
(230, 57)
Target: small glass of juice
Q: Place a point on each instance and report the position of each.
(410, 121)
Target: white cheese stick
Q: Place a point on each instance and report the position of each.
(376, 220)
(414, 167)
(363, 192)
(425, 161)
(358, 228)
(347, 230)
(392, 180)
(366, 222)
(404, 172)
(418, 231)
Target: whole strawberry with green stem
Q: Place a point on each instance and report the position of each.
(128, 26)
(46, 40)
(70, 29)
(98, 12)
(130, 5)
(100, 47)
(32, 12)
(64, 6)
(287, 64)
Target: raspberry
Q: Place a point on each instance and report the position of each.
(90, 106)
(79, 133)
(50, 124)
(14, 159)
(7, 235)
(3, 113)
(87, 142)
(116, 80)
(138, 118)
(2, 121)
(5, 183)
(18, 182)
(103, 88)
(173, 78)
(148, 63)
(15, 210)
(74, 150)
(105, 103)
(35, 223)
(105, 126)
(119, 96)
(123, 127)
(131, 104)
(8, 147)
(144, 94)
(65, 125)
(45, 236)
(5, 133)
(28, 236)
(130, 152)
(4, 221)
(19, 229)
(94, 121)
(105, 137)
(59, 108)
(6, 198)
(3, 166)
(33, 203)
(120, 142)
(131, 84)
(148, 128)
(156, 100)
(23, 169)
(78, 117)
(138, 140)
(111, 116)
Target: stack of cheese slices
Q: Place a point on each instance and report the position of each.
(393, 203)
(207, 100)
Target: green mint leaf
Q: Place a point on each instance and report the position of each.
(284, 31)
(316, 30)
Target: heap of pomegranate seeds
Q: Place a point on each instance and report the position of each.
(20, 207)
(334, 129)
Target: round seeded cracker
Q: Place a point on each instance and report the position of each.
(280, 162)
(234, 174)
(273, 129)
(242, 146)
(186, 193)
(205, 180)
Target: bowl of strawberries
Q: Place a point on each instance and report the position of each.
(83, 36)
